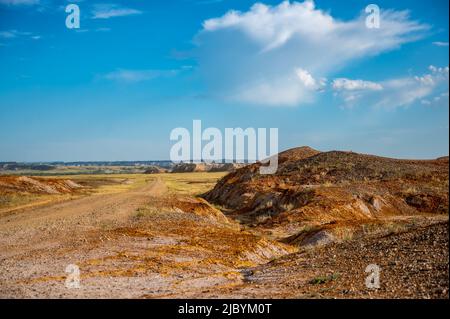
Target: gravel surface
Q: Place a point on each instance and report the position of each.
(413, 264)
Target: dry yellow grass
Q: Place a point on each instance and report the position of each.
(191, 184)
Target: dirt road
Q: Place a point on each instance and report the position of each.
(144, 242)
(99, 206)
(29, 236)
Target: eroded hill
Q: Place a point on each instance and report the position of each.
(317, 196)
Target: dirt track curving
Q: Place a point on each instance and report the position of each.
(137, 243)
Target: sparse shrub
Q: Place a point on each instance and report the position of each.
(323, 279)
(411, 190)
(142, 212)
(344, 233)
(395, 228)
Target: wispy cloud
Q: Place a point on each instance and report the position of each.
(10, 37)
(396, 92)
(134, 76)
(436, 100)
(19, 2)
(440, 44)
(7, 34)
(355, 85)
(11, 34)
(106, 11)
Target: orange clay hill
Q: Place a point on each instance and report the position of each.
(315, 197)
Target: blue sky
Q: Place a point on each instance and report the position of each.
(115, 88)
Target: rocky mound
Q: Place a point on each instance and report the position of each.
(35, 185)
(188, 168)
(225, 167)
(318, 188)
(154, 170)
(203, 167)
(418, 257)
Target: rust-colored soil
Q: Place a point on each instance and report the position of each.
(317, 190)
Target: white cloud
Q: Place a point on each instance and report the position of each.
(134, 76)
(274, 26)
(284, 90)
(19, 2)
(436, 100)
(402, 92)
(439, 72)
(7, 34)
(399, 92)
(10, 34)
(242, 53)
(440, 44)
(353, 85)
(106, 11)
(306, 78)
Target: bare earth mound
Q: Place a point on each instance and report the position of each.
(314, 191)
(35, 185)
(204, 167)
